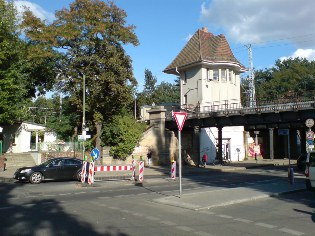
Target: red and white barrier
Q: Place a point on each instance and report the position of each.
(91, 173)
(113, 168)
(141, 170)
(173, 170)
(83, 172)
(133, 164)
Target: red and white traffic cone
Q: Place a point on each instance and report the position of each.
(91, 173)
(133, 164)
(141, 170)
(83, 172)
(173, 170)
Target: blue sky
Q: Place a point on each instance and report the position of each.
(276, 29)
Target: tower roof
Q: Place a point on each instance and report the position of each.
(204, 47)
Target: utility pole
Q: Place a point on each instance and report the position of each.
(83, 119)
(251, 84)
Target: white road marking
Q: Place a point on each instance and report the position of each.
(243, 220)
(290, 231)
(170, 223)
(137, 214)
(152, 218)
(266, 225)
(201, 233)
(185, 228)
(225, 216)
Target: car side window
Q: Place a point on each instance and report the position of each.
(57, 163)
(71, 162)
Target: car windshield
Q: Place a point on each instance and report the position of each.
(46, 163)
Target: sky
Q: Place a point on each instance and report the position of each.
(276, 29)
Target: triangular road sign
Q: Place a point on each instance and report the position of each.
(180, 118)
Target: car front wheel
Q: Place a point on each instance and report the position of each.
(36, 178)
(79, 175)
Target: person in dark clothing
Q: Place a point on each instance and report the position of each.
(149, 156)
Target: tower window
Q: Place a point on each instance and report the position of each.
(231, 76)
(215, 75)
(223, 74)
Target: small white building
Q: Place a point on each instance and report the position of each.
(17, 138)
(210, 80)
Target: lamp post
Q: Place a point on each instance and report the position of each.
(1, 129)
(83, 119)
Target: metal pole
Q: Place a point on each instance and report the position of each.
(83, 119)
(180, 162)
(289, 156)
(135, 107)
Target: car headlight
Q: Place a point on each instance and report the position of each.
(25, 171)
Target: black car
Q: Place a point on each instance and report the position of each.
(62, 168)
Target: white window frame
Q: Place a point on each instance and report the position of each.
(231, 76)
(223, 75)
(214, 76)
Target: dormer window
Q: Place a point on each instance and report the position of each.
(215, 75)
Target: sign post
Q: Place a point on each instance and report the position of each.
(180, 118)
(310, 134)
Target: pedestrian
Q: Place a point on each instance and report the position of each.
(149, 156)
(204, 159)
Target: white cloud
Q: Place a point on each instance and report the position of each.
(256, 21)
(37, 10)
(309, 54)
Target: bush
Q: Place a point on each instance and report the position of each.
(122, 135)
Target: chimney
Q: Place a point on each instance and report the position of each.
(204, 29)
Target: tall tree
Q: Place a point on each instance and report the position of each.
(90, 36)
(287, 79)
(12, 84)
(162, 93)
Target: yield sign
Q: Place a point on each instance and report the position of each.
(180, 118)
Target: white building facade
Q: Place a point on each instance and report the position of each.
(209, 81)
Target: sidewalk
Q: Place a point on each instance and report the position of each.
(217, 197)
(164, 171)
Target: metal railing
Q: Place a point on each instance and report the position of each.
(225, 109)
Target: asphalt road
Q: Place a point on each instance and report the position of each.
(124, 208)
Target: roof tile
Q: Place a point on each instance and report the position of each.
(203, 46)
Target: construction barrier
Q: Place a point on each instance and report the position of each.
(173, 170)
(91, 173)
(83, 172)
(113, 168)
(141, 170)
(133, 164)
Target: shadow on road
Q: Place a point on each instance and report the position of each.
(41, 217)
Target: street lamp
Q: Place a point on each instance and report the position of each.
(83, 119)
(1, 129)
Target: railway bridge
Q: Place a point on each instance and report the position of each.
(267, 119)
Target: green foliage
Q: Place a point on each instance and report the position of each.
(89, 35)
(287, 79)
(162, 93)
(22, 72)
(122, 135)
(12, 83)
